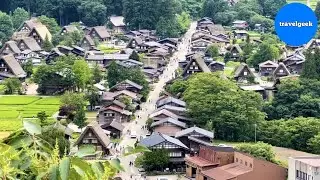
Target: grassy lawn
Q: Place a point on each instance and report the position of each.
(14, 108)
(254, 34)
(107, 50)
(232, 64)
(1, 88)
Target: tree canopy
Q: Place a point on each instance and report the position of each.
(233, 112)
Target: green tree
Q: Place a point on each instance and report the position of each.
(92, 95)
(28, 67)
(6, 27)
(271, 7)
(51, 24)
(97, 75)
(210, 8)
(168, 27)
(179, 86)
(213, 51)
(264, 53)
(314, 144)
(225, 18)
(212, 98)
(155, 160)
(82, 73)
(311, 68)
(258, 150)
(92, 13)
(135, 56)
(12, 85)
(42, 116)
(47, 45)
(317, 10)
(19, 15)
(184, 21)
(80, 118)
(259, 19)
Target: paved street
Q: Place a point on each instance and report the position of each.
(149, 106)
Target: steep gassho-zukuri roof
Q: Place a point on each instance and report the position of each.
(98, 131)
(14, 65)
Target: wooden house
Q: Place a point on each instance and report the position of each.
(100, 33)
(115, 128)
(39, 33)
(312, 44)
(195, 65)
(10, 47)
(118, 25)
(78, 51)
(108, 114)
(216, 66)
(10, 67)
(235, 52)
(93, 135)
(127, 85)
(193, 137)
(238, 24)
(243, 72)
(281, 71)
(168, 126)
(176, 149)
(68, 29)
(164, 113)
(28, 43)
(267, 68)
(240, 34)
(87, 43)
(295, 67)
(170, 101)
(28, 25)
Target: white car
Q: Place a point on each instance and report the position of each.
(162, 178)
(133, 134)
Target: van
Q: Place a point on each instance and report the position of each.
(133, 134)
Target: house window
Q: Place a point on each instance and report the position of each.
(94, 141)
(281, 70)
(245, 73)
(85, 141)
(175, 154)
(250, 165)
(196, 67)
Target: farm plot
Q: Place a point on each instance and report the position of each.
(14, 108)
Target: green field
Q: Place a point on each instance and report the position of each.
(313, 3)
(14, 108)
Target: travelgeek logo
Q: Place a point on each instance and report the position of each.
(295, 24)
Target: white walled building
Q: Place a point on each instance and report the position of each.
(304, 168)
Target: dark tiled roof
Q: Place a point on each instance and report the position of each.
(170, 99)
(158, 138)
(117, 125)
(195, 129)
(171, 120)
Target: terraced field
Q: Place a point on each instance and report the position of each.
(13, 109)
(312, 3)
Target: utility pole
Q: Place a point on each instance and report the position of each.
(255, 133)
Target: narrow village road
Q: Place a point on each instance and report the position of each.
(149, 106)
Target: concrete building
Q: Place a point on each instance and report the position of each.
(304, 168)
